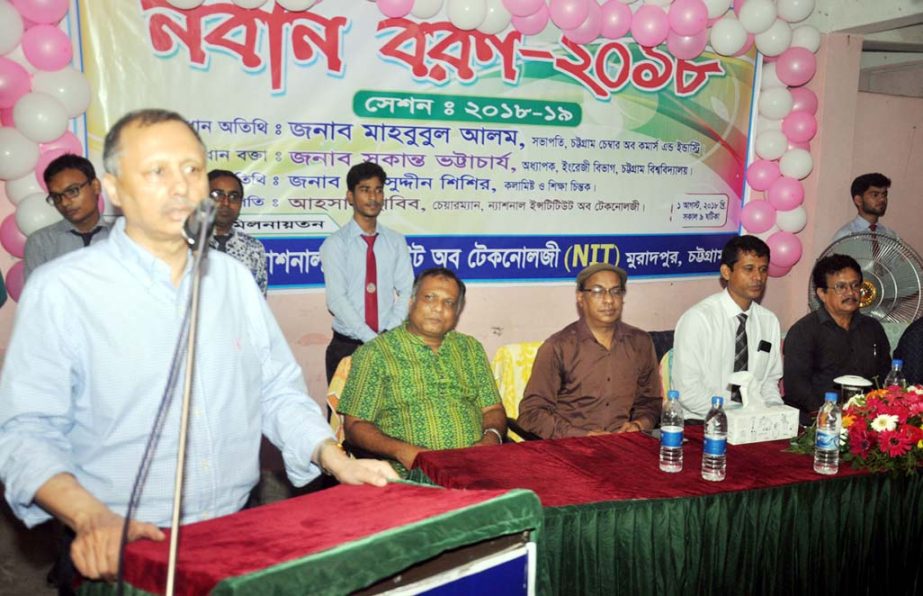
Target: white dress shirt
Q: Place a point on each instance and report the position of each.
(860, 225)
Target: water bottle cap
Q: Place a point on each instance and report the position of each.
(717, 401)
(830, 396)
(672, 394)
(897, 362)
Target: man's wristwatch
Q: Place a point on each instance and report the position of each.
(495, 432)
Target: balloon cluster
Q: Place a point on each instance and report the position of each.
(39, 93)
(292, 5)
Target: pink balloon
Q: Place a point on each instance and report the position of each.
(14, 281)
(589, 29)
(523, 8)
(568, 14)
(6, 117)
(11, 238)
(796, 66)
(757, 216)
(616, 19)
(792, 145)
(805, 100)
(47, 48)
(687, 47)
(45, 158)
(533, 24)
(395, 9)
(650, 26)
(737, 5)
(762, 173)
(785, 193)
(14, 82)
(784, 249)
(47, 12)
(747, 45)
(776, 271)
(688, 17)
(68, 142)
(799, 127)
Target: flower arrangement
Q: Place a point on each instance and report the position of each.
(882, 431)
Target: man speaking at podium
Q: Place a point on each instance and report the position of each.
(90, 352)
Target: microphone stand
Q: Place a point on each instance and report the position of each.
(204, 215)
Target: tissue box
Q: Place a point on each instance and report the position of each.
(764, 423)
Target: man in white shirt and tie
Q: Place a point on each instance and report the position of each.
(870, 195)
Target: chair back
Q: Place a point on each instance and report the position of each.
(512, 367)
(333, 397)
(666, 367)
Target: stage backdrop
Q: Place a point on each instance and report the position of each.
(509, 158)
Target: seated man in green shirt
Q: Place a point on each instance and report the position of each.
(423, 385)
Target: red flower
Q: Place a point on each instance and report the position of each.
(894, 443)
(860, 442)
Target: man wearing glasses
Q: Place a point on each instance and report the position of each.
(834, 340)
(729, 332)
(73, 190)
(598, 375)
(227, 190)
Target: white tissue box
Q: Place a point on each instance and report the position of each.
(763, 423)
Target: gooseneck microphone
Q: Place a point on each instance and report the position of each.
(203, 216)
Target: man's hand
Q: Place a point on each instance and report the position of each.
(354, 471)
(597, 433)
(408, 454)
(95, 550)
(489, 438)
(632, 426)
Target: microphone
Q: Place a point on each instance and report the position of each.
(203, 217)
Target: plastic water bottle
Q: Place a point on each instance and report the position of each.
(896, 376)
(671, 434)
(714, 453)
(827, 436)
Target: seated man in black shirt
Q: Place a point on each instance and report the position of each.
(834, 340)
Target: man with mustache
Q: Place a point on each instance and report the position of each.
(367, 272)
(726, 332)
(834, 340)
(227, 190)
(870, 195)
(598, 375)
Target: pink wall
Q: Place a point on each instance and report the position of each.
(886, 137)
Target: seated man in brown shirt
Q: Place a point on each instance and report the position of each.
(598, 375)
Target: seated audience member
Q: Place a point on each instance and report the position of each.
(73, 189)
(598, 375)
(226, 188)
(910, 350)
(870, 195)
(725, 333)
(834, 340)
(423, 385)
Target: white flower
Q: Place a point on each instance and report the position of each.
(918, 389)
(884, 422)
(854, 401)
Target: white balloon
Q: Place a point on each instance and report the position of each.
(18, 154)
(466, 14)
(68, 86)
(771, 144)
(794, 10)
(717, 8)
(806, 36)
(792, 220)
(796, 163)
(763, 124)
(40, 117)
(497, 19)
(663, 3)
(11, 27)
(628, 1)
(34, 213)
(757, 15)
(186, 4)
(249, 3)
(776, 102)
(19, 58)
(764, 236)
(296, 5)
(727, 36)
(425, 9)
(775, 40)
(768, 77)
(20, 188)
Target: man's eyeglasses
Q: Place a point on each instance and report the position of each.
(842, 287)
(598, 292)
(71, 192)
(232, 197)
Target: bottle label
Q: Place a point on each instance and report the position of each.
(826, 440)
(671, 436)
(715, 445)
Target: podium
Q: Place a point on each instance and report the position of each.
(404, 538)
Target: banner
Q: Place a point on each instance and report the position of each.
(509, 158)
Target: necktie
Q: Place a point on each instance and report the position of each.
(371, 284)
(87, 236)
(740, 352)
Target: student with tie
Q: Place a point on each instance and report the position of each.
(367, 271)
